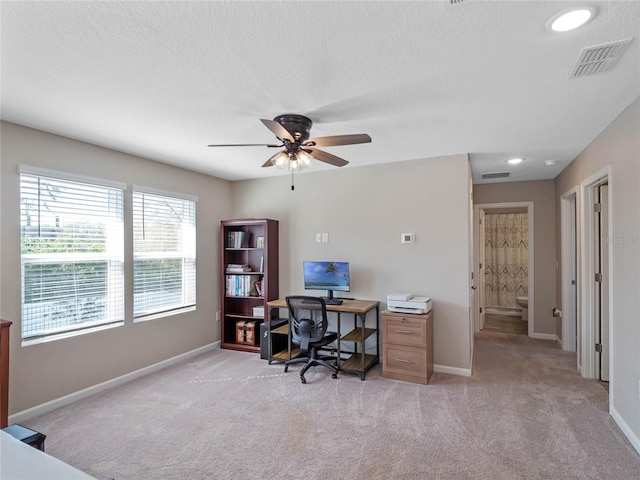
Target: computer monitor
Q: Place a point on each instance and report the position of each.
(329, 276)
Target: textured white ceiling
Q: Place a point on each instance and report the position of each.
(424, 79)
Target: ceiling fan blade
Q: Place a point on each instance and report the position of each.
(336, 140)
(278, 130)
(326, 157)
(268, 163)
(247, 145)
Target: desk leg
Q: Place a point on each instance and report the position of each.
(339, 359)
(377, 335)
(363, 319)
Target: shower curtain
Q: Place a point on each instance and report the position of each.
(506, 258)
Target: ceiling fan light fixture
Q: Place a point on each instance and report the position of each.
(304, 159)
(280, 160)
(514, 161)
(294, 164)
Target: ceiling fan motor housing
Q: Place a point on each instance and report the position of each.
(298, 126)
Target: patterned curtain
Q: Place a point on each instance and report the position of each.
(506, 258)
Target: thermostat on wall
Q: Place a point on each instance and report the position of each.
(408, 238)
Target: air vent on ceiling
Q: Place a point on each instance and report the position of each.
(599, 58)
(454, 2)
(489, 176)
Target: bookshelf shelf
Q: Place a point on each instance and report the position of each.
(253, 280)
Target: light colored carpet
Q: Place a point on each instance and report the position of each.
(524, 414)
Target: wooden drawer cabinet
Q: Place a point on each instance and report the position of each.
(407, 346)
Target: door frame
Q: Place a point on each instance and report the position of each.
(476, 242)
(570, 254)
(602, 333)
(587, 337)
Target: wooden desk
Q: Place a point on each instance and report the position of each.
(4, 372)
(359, 361)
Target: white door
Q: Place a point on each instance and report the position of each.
(573, 310)
(604, 284)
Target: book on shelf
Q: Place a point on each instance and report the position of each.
(238, 268)
(237, 239)
(259, 288)
(242, 285)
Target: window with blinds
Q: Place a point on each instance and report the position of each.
(71, 253)
(164, 254)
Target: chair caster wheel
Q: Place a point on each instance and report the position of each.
(334, 376)
(303, 380)
(286, 368)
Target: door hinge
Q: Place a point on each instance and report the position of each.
(480, 309)
(597, 207)
(599, 347)
(598, 277)
(573, 282)
(480, 266)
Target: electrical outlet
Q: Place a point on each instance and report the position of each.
(217, 316)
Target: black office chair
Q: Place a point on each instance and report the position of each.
(308, 323)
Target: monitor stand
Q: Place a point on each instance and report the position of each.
(329, 300)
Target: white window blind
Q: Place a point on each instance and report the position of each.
(164, 254)
(72, 255)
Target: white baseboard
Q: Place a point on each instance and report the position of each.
(46, 407)
(633, 438)
(544, 336)
(461, 372)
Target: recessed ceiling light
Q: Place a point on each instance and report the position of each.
(514, 161)
(571, 19)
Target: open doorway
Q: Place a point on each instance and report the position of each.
(569, 273)
(503, 238)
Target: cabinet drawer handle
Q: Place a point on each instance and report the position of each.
(403, 331)
(403, 360)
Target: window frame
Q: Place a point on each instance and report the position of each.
(113, 256)
(188, 290)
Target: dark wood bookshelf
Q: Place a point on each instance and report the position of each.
(239, 245)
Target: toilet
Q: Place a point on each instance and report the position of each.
(524, 303)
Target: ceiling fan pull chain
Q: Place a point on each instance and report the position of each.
(292, 187)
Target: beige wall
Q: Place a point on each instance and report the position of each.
(542, 194)
(365, 210)
(619, 146)
(43, 372)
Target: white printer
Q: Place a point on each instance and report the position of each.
(408, 303)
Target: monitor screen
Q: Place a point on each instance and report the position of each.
(326, 276)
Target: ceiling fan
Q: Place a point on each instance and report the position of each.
(300, 150)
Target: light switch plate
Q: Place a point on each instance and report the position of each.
(325, 237)
(318, 238)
